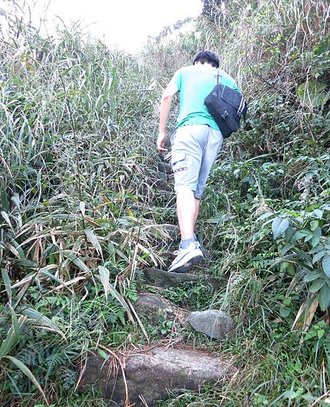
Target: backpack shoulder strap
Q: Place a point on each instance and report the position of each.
(218, 76)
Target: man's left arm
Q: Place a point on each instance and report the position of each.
(165, 107)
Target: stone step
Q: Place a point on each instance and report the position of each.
(142, 377)
(165, 279)
(154, 308)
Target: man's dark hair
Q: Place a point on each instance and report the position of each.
(207, 56)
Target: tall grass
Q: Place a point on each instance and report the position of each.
(81, 209)
(77, 182)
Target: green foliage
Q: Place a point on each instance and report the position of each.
(82, 210)
(304, 245)
(266, 209)
(76, 136)
(191, 296)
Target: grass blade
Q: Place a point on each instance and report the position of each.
(12, 335)
(92, 238)
(108, 287)
(6, 281)
(29, 374)
(42, 320)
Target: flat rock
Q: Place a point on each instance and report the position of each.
(213, 323)
(165, 279)
(150, 374)
(154, 307)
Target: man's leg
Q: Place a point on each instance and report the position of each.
(197, 206)
(187, 152)
(190, 252)
(189, 249)
(187, 211)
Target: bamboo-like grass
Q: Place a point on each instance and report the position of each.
(81, 212)
(77, 174)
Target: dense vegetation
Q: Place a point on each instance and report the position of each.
(83, 208)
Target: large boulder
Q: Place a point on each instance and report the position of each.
(145, 376)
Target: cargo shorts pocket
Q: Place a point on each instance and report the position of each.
(179, 162)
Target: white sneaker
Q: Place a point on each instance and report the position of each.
(186, 258)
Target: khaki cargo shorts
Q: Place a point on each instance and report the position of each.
(194, 150)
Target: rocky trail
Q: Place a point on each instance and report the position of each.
(142, 376)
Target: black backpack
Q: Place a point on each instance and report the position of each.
(226, 106)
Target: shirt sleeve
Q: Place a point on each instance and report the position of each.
(177, 80)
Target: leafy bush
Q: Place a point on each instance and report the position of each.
(82, 208)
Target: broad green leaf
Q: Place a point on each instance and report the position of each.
(312, 275)
(324, 298)
(303, 233)
(279, 226)
(314, 225)
(316, 249)
(310, 237)
(16, 323)
(16, 200)
(284, 266)
(326, 265)
(322, 46)
(21, 254)
(45, 271)
(29, 374)
(318, 256)
(300, 234)
(316, 286)
(289, 233)
(264, 216)
(310, 334)
(290, 394)
(286, 248)
(316, 237)
(218, 220)
(285, 312)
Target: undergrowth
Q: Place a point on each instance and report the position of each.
(84, 209)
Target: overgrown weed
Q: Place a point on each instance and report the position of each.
(82, 208)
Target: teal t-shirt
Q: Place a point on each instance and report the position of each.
(194, 83)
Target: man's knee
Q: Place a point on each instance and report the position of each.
(184, 190)
(188, 190)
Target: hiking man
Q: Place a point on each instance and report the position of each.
(195, 146)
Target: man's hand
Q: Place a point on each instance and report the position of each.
(161, 142)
